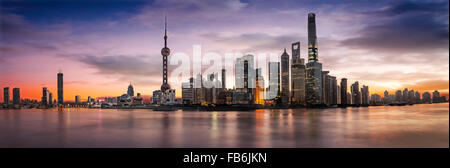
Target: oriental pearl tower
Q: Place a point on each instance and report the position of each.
(165, 52)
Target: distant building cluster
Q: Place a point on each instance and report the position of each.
(292, 82)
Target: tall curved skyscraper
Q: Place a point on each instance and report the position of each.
(312, 39)
(313, 82)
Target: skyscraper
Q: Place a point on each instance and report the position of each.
(16, 96)
(426, 97)
(130, 90)
(245, 72)
(50, 99)
(326, 87)
(313, 80)
(60, 89)
(45, 96)
(296, 50)
(187, 91)
(436, 96)
(398, 96)
(77, 99)
(405, 95)
(313, 84)
(312, 39)
(6, 95)
(365, 95)
(274, 80)
(297, 76)
(285, 78)
(356, 94)
(334, 90)
(417, 97)
(224, 79)
(259, 90)
(165, 52)
(344, 91)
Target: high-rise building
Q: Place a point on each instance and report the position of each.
(405, 95)
(398, 96)
(312, 39)
(344, 91)
(338, 94)
(16, 96)
(50, 98)
(187, 91)
(297, 76)
(45, 96)
(245, 73)
(274, 80)
(285, 89)
(334, 90)
(365, 95)
(165, 52)
(130, 90)
(224, 77)
(417, 97)
(259, 90)
(313, 82)
(77, 99)
(375, 99)
(356, 94)
(6, 95)
(349, 98)
(60, 89)
(436, 97)
(426, 97)
(199, 95)
(325, 87)
(411, 96)
(386, 98)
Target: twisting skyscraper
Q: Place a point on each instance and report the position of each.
(313, 67)
(165, 52)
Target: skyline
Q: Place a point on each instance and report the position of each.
(115, 55)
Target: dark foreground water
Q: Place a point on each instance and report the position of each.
(401, 126)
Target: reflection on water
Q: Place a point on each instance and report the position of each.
(383, 126)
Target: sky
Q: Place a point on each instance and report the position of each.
(103, 45)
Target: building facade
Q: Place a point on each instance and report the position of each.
(285, 84)
(297, 76)
(16, 96)
(313, 80)
(274, 80)
(60, 83)
(6, 95)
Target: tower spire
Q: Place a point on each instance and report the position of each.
(165, 30)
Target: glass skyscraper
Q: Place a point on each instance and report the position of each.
(313, 67)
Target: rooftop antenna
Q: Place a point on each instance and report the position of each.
(165, 30)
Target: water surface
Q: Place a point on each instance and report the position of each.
(424, 125)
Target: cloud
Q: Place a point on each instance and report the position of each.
(404, 27)
(189, 12)
(254, 41)
(429, 85)
(122, 64)
(394, 76)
